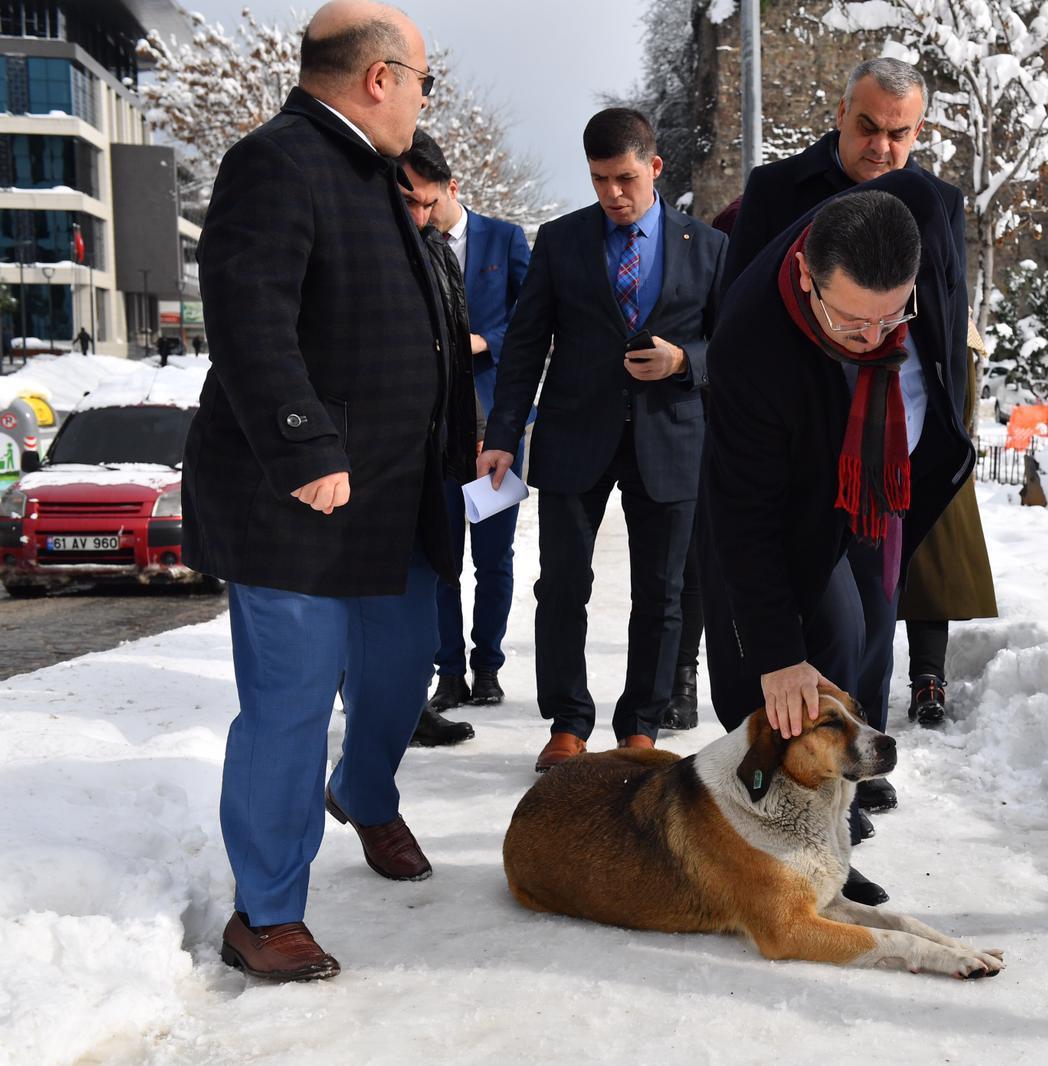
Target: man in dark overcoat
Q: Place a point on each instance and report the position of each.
(792, 425)
(879, 118)
(313, 471)
(609, 416)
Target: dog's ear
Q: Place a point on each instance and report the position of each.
(764, 757)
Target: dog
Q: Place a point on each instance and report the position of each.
(748, 836)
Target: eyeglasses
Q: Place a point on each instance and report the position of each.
(885, 325)
(427, 79)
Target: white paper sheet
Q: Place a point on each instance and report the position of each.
(482, 501)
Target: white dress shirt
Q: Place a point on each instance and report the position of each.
(352, 125)
(456, 237)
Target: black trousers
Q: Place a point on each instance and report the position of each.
(928, 642)
(658, 542)
(691, 604)
(834, 634)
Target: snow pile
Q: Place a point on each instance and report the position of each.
(116, 885)
(65, 380)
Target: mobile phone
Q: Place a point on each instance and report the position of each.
(639, 342)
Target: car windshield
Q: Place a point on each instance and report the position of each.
(105, 435)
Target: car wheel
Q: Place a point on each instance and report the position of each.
(25, 592)
(998, 414)
(986, 392)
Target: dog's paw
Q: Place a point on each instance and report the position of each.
(979, 964)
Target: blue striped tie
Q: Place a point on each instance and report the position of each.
(627, 280)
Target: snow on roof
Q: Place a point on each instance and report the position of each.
(63, 380)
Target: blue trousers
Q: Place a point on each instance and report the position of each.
(879, 613)
(491, 545)
(289, 652)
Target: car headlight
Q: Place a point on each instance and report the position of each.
(13, 504)
(169, 504)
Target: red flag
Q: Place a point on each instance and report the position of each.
(78, 244)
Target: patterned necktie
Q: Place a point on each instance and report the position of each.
(627, 281)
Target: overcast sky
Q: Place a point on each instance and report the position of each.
(544, 61)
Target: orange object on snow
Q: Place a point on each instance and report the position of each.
(1026, 420)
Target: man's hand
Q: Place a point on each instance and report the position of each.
(786, 692)
(477, 344)
(493, 459)
(663, 361)
(326, 493)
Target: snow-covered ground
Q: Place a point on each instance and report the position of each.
(115, 886)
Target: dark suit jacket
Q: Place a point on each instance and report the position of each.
(778, 193)
(328, 352)
(497, 257)
(778, 410)
(587, 391)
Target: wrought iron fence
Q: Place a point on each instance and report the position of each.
(1007, 466)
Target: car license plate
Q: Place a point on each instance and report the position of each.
(83, 544)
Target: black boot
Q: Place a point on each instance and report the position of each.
(434, 730)
(877, 794)
(452, 691)
(927, 700)
(861, 889)
(866, 829)
(682, 712)
(486, 687)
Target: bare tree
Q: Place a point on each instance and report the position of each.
(209, 92)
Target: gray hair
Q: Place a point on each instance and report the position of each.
(892, 75)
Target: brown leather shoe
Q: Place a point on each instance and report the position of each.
(638, 740)
(390, 849)
(285, 952)
(560, 748)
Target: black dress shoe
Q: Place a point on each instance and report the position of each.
(452, 691)
(877, 794)
(682, 712)
(486, 687)
(861, 889)
(434, 730)
(927, 700)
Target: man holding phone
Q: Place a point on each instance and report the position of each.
(626, 289)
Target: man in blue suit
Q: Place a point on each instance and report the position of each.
(629, 266)
(494, 258)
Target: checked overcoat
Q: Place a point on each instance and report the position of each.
(328, 352)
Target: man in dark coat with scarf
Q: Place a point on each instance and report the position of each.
(879, 118)
(313, 471)
(829, 423)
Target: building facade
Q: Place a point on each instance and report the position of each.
(90, 229)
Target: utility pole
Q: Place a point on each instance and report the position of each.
(147, 321)
(752, 133)
(49, 273)
(21, 293)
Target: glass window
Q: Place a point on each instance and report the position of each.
(3, 83)
(103, 435)
(50, 86)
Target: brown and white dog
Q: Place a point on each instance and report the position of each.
(749, 835)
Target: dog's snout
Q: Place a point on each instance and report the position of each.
(884, 744)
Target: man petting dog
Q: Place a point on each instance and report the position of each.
(830, 421)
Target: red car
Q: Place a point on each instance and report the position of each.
(106, 505)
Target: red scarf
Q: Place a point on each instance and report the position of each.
(873, 471)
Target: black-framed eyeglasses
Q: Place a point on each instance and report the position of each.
(885, 325)
(427, 79)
